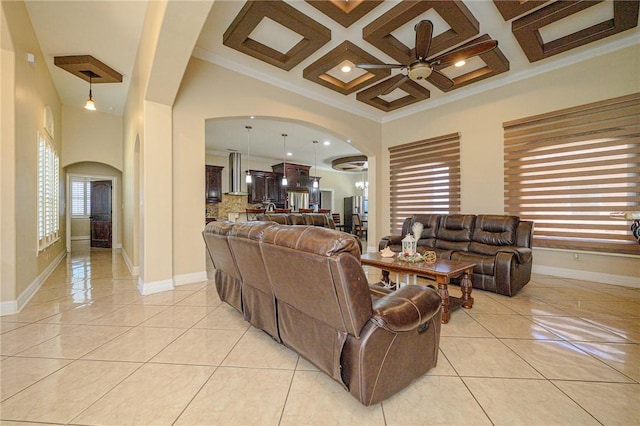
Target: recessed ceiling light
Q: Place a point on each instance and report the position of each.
(459, 63)
(346, 68)
(327, 143)
(252, 117)
(348, 140)
(289, 154)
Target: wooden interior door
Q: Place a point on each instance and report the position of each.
(101, 213)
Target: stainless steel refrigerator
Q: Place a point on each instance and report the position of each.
(352, 205)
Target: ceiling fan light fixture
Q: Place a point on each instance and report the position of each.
(346, 69)
(460, 63)
(419, 71)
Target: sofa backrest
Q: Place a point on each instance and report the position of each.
(315, 219)
(321, 290)
(228, 280)
(454, 232)
(281, 218)
(430, 224)
(492, 232)
(524, 236)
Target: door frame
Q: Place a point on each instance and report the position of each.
(115, 218)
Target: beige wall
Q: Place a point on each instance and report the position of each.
(25, 93)
(91, 136)
(479, 120)
(210, 91)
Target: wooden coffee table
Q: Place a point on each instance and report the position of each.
(442, 270)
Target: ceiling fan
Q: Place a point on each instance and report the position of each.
(429, 69)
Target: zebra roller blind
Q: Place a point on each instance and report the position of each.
(568, 170)
(424, 178)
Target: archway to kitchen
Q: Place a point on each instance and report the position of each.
(257, 145)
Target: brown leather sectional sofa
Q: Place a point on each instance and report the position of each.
(315, 219)
(499, 245)
(305, 287)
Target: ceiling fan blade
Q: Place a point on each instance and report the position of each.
(424, 32)
(378, 66)
(463, 52)
(395, 85)
(440, 80)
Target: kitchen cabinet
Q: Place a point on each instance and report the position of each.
(265, 187)
(297, 174)
(213, 183)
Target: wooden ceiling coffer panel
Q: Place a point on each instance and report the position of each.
(347, 51)
(463, 25)
(510, 9)
(496, 63)
(88, 68)
(527, 29)
(345, 12)
(314, 35)
(415, 93)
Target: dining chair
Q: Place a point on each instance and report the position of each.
(358, 226)
(336, 220)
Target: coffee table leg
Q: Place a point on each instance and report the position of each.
(465, 287)
(443, 291)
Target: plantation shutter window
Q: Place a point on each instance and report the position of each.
(80, 197)
(48, 192)
(569, 170)
(424, 178)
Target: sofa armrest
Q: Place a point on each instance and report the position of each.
(390, 240)
(406, 309)
(522, 254)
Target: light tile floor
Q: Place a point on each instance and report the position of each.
(89, 349)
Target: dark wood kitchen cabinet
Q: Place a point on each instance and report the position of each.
(297, 174)
(265, 187)
(213, 180)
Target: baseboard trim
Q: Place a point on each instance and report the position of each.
(133, 270)
(81, 238)
(152, 287)
(194, 277)
(14, 306)
(600, 277)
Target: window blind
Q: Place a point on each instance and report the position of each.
(568, 170)
(424, 177)
(48, 192)
(80, 197)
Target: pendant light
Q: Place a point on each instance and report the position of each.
(90, 105)
(316, 184)
(284, 159)
(247, 178)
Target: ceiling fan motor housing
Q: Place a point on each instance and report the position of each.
(419, 71)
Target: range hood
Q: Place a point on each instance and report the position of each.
(235, 174)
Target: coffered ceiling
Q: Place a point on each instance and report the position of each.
(303, 45)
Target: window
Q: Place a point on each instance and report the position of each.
(80, 197)
(424, 178)
(48, 192)
(569, 170)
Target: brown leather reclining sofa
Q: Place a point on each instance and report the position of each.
(305, 286)
(499, 245)
(315, 219)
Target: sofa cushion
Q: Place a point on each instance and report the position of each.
(495, 230)
(430, 224)
(454, 232)
(484, 264)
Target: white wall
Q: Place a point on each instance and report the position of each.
(479, 120)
